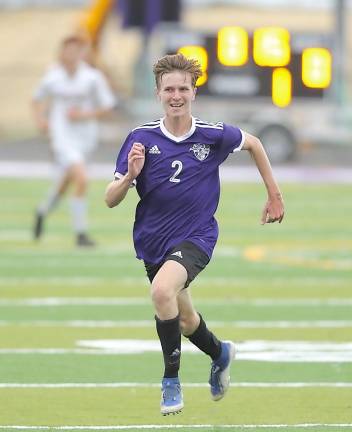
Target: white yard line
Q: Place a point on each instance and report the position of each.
(74, 280)
(77, 301)
(151, 324)
(136, 301)
(214, 281)
(254, 350)
(183, 426)
(238, 174)
(185, 385)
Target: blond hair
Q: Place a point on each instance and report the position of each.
(176, 62)
(74, 39)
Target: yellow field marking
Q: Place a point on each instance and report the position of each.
(259, 253)
(255, 253)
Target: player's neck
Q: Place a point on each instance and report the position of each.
(178, 126)
(71, 68)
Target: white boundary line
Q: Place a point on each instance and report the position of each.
(80, 280)
(254, 350)
(151, 323)
(185, 385)
(183, 426)
(137, 301)
(242, 174)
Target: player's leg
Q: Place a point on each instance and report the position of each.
(58, 189)
(194, 260)
(221, 352)
(79, 178)
(195, 329)
(166, 285)
(168, 282)
(189, 318)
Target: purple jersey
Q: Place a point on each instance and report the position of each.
(179, 185)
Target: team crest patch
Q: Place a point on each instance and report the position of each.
(201, 151)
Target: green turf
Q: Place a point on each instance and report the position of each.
(128, 368)
(29, 336)
(307, 257)
(117, 406)
(225, 312)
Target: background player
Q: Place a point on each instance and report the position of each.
(174, 164)
(69, 100)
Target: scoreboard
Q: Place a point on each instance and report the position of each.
(268, 62)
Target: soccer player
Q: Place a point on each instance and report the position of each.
(174, 165)
(69, 100)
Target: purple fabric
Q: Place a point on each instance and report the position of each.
(179, 186)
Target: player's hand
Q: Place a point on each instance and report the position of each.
(273, 210)
(43, 126)
(76, 114)
(136, 159)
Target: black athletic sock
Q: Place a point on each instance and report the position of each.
(170, 339)
(205, 340)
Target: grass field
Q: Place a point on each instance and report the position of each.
(282, 292)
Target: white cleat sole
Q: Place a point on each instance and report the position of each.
(172, 410)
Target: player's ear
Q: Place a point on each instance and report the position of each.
(194, 93)
(157, 93)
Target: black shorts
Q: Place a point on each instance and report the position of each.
(193, 259)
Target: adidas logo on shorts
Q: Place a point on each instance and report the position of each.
(178, 254)
(154, 150)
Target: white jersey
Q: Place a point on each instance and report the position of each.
(86, 90)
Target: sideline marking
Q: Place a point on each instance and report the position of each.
(185, 385)
(261, 350)
(136, 301)
(190, 426)
(261, 254)
(150, 323)
(242, 174)
(257, 350)
(217, 280)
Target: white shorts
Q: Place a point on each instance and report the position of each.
(66, 156)
(74, 146)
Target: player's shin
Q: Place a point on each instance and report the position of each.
(170, 340)
(205, 340)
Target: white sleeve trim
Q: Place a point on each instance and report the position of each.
(118, 176)
(241, 144)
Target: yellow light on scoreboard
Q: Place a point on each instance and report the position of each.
(232, 49)
(271, 46)
(200, 54)
(281, 87)
(316, 67)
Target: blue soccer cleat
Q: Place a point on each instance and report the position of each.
(171, 396)
(220, 371)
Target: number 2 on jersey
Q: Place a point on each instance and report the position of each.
(178, 164)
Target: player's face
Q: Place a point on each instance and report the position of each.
(176, 93)
(71, 54)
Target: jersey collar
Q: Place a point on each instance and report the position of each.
(179, 138)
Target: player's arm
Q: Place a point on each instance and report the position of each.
(105, 102)
(40, 114)
(274, 208)
(76, 114)
(117, 189)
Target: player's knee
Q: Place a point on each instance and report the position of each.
(161, 293)
(81, 184)
(188, 323)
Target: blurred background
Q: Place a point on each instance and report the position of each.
(278, 69)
